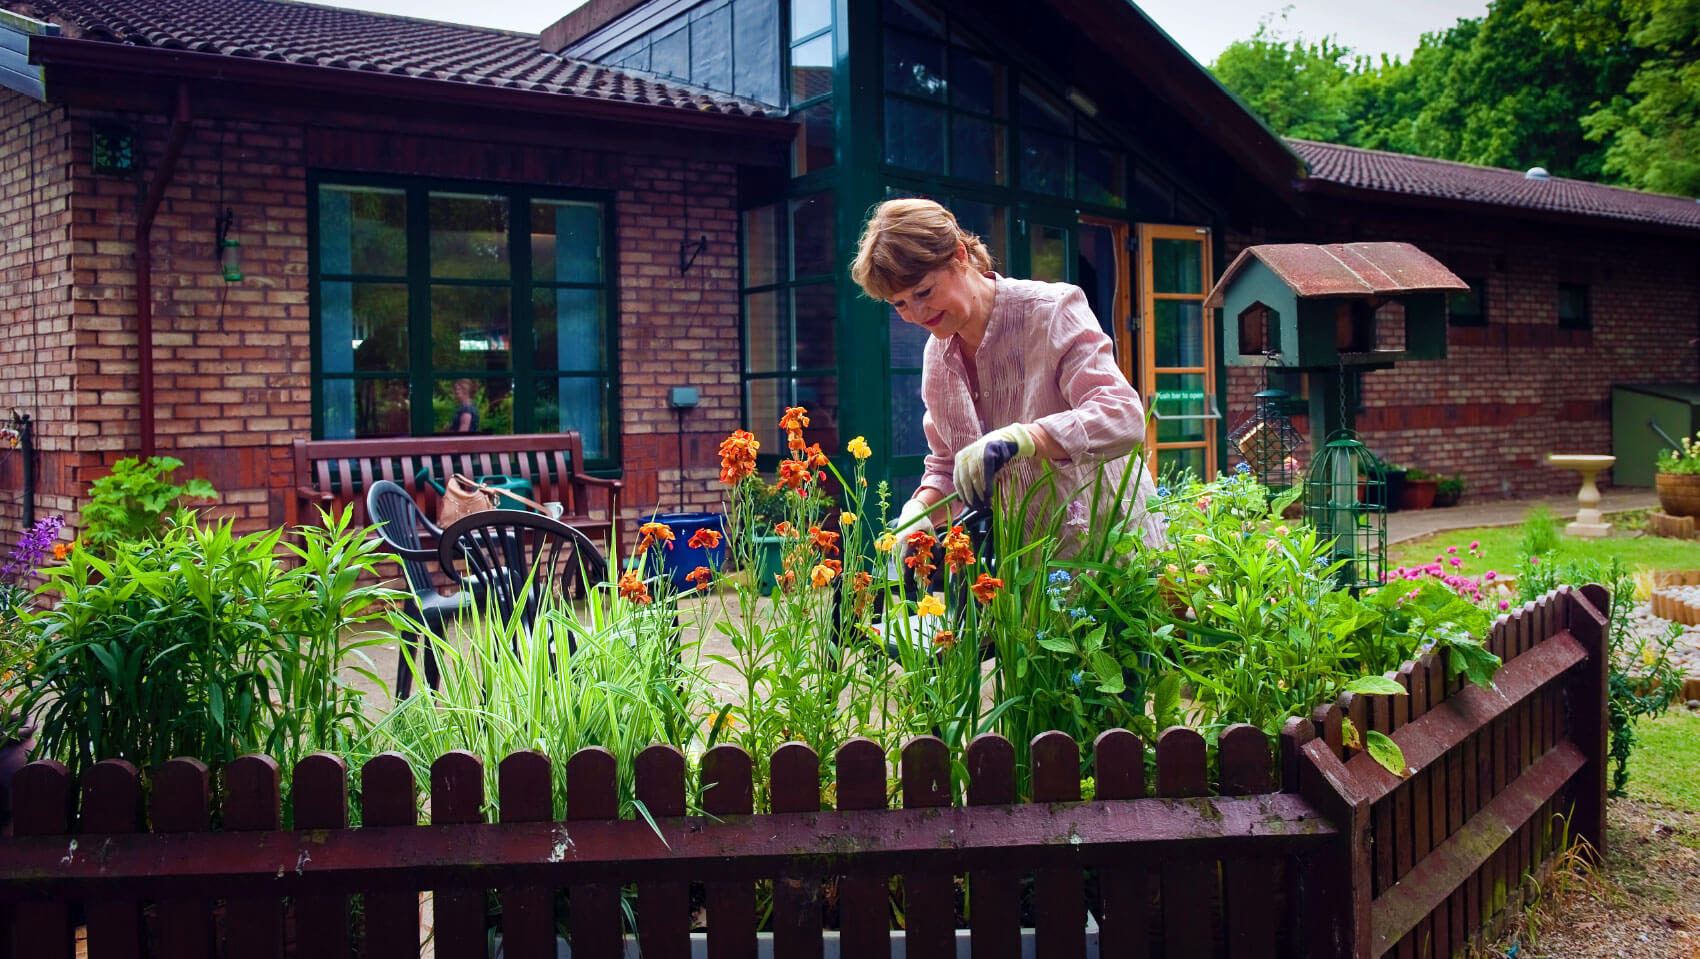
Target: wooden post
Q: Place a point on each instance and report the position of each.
(1336, 883)
(1589, 724)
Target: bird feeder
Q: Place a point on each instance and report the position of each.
(1343, 500)
(1321, 308)
(1268, 441)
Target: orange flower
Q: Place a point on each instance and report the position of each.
(62, 550)
(653, 533)
(792, 423)
(815, 457)
(824, 540)
(958, 552)
(833, 565)
(786, 581)
(822, 574)
(944, 640)
(986, 587)
(921, 558)
(704, 538)
(784, 528)
(701, 576)
(859, 586)
(793, 474)
(633, 589)
(738, 456)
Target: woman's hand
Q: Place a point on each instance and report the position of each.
(978, 462)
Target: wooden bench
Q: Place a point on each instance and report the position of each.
(330, 474)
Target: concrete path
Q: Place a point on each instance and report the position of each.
(1410, 524)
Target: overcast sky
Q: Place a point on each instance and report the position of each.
(1203, 27)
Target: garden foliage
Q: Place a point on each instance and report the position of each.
(137, 502)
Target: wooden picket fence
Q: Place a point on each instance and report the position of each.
(1349, 860)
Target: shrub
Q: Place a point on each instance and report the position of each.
(204, 644)
(1685, 460)
(136, 502)
(1540, 531)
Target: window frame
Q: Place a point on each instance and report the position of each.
(420, 374)
(1479, 287)
(1586, 320)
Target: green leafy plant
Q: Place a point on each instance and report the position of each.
(136, 502)
(1417, 475)
(1684, 461)
(1539, 531)
(1450, 486)
(204, 643)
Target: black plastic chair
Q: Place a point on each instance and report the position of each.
(405, 529)
(522, 561)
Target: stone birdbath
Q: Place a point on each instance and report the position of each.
(1588, 520)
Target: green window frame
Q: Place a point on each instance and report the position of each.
(1468, 307)
(434, 282)
(1575, 310)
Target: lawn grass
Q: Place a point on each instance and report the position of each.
(1665, 767)
(1500, 549)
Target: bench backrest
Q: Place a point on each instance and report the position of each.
(346, 468)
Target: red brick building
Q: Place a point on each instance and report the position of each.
(577, 223)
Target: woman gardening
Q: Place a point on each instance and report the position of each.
(1017, 374)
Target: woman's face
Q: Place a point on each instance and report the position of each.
(942, 303)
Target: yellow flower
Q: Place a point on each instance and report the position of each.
(858, 448)
(1649, 655)
(846, 519)
(1201, 538)
(930, 606)
(885, 542)
(822, 574)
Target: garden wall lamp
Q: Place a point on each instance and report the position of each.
(229, 248)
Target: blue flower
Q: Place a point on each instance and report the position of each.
(1163, 491)
(1242, 468)
(1060, 576)
(1078, 613)
(1077, 677)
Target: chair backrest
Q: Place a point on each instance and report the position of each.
(399, 521)
(522, 559)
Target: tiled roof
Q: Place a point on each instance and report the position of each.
(304, 33)
(1445, 180)
(1344, 269)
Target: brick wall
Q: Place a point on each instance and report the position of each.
(1511, 392)
(233, 361)
(36, 350)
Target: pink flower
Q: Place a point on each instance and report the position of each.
(1534, 561)
(1456, 562)
(1451, 550)
(1490, 574)
(1475, 544)
(1504, 604)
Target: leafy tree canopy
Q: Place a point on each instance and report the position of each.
(1604, 90)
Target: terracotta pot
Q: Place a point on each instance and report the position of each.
(1679, 493)
(1417, 494)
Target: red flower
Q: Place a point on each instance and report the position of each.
(793, 474)
(958, 552)
(738, 457)
(986, 587)
(920, 559)
(823, 540)
(704, 538)
(701, 576)
(633, 589)
(653, 533)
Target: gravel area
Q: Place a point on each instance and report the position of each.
(1686, 653)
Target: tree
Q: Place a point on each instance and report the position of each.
(1295, 87)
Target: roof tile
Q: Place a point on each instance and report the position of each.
(1444, 179)
(355, 40)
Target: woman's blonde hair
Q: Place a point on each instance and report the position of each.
(905, 240)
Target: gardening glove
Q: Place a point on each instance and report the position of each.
(978, 462)
(913, 517)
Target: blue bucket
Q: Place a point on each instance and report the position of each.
(681, 560)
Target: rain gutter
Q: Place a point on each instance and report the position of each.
(179, 134)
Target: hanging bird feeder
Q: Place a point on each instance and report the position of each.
(1342, 502)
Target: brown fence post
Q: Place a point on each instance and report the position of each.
(252, 802)
(1589, 724)
(864, 912)
(1059, 893)
(797, 915)
(182, 802)
(112, 803)
(42, 806)
(457, 796)
(528, 912)
(593, 780)
(929, 906)
(320, 793)
(994, 895)
(728, 789)
(387, 798)
(663, 907)
(1336, 882)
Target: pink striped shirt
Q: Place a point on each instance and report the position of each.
(1042, 360)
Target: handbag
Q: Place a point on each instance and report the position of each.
(462, 497)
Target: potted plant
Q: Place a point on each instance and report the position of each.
(1678, 479)
(1448, 490)
(760, 508)
(1419, 490)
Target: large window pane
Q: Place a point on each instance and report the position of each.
(807, 16)
(490, 402)
(755, 50)
(711, 50)
(991, 223)
(976, 83)
(912, 15)
(1047, 252)
(1180, 395)
(362, 231)
(566, 242)
(670, 55)
(567, 330)
(914, 135)
(908, 437)
(811, 69)
(811, 235)
(767, 334)
(1041, 112)
(908, 342)
(914, 65)
(767, 399)
(976, 149)
(762, 251)
(1177, 266)
(1044, 162)
(813, 148)
(815, 311)
(469, 236)
(1179, 333)
(1101, 177)
(356, 409)
(575, 403)
(362, 326)
(1172, 462)
(469, 328)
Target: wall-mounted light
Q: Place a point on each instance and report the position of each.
(229, 249)
(1081, 101)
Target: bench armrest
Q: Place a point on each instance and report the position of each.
(584, 479)
(308, 493)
